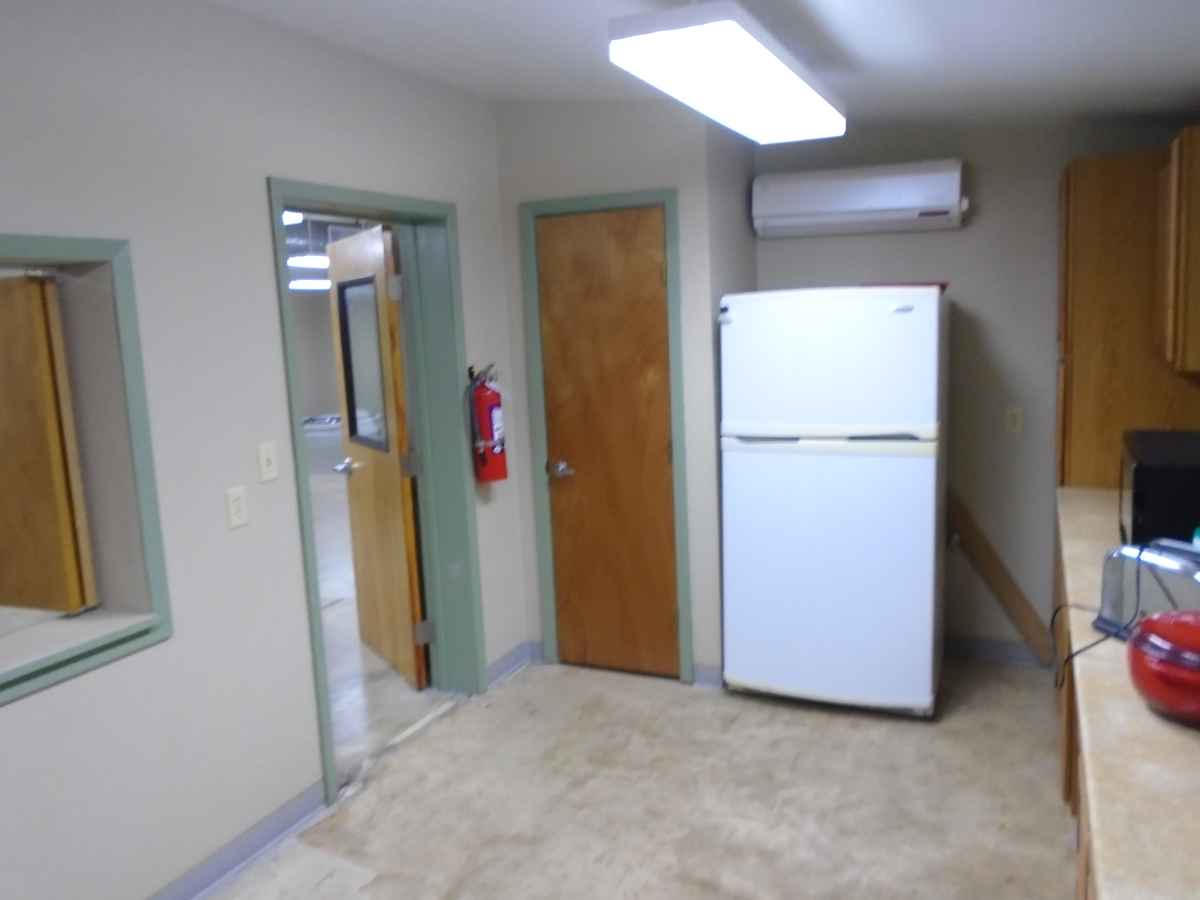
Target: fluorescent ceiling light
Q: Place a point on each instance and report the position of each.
(309, 284)
(309, 261)
(291, 217)
(719, 60)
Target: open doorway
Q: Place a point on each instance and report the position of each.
(345, 293)
(428, 319)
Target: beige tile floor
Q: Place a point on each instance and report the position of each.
(369, 702)
(576, 783)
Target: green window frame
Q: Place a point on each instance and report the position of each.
(36, 251)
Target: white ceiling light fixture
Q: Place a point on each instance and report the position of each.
(309, 284)
(719, 60)
(292, 217)
(309, 261)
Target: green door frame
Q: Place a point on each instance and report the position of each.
(437, 382)
(530, 212)
(37, 251)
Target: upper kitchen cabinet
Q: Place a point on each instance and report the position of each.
(1178, 281)
(1111, 376)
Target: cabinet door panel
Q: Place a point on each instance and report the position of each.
(1115, 377)
(1186, 161)
(1166, 330)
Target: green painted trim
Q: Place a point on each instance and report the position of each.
(536, 392)
(530, 212)
(359, 204)
(21, 681)
(445, 456)
(436, 386)
(300, 463)
(34, 250)
(47, 250)
(683, 571)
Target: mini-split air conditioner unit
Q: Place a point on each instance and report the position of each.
(906, 197)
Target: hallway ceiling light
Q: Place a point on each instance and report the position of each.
(292, 217)
(719, 60)
(309, 261)
(309, 284)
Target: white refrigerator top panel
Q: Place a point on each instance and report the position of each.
(832, 362)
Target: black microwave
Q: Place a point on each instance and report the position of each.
(1160, 486)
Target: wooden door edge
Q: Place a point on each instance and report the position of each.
(68, 438)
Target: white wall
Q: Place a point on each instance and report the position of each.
(160, 122)
(1003, 274)
(555, 150)
(102, 434)
(732, 264)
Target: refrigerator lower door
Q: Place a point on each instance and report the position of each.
(830, 553)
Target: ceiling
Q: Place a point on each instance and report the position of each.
(883, 60)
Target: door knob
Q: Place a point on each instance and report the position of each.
(347, 466)
(559, 469)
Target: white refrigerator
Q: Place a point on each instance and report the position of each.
(832, 485)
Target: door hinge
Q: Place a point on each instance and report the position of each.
(424, 633)
(410, 465)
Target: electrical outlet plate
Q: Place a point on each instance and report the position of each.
(237, 511)
(268, 461)
(1014, 419)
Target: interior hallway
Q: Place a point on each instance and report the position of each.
(568, 782)
(370, 704)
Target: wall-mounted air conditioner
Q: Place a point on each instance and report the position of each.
(905, 197)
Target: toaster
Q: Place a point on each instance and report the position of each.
(1143, 579)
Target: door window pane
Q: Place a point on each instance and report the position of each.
(358, 316)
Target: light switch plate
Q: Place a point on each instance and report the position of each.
(268, 461)
(237, 511)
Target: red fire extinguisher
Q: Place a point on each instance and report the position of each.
(487, 426)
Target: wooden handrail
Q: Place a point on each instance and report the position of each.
(995, 574)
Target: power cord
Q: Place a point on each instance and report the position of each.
(1061, 675)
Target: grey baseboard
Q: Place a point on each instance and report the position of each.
(993, 650)
(707, 676)
(248, 845)
(522, 655)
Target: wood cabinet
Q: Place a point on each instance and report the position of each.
(1113, 375)
(1068, 717)
(1178, 276)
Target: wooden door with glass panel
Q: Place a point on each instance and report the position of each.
(368, 350)
(45, 549)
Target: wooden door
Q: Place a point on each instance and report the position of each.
(45, 551)
(1115, 375)
(368, 347)
(603, 302)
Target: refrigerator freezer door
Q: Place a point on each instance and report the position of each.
(831, 362)
(830, 559)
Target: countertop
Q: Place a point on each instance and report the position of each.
(1141, 772)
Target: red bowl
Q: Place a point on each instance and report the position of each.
(1164, 661)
